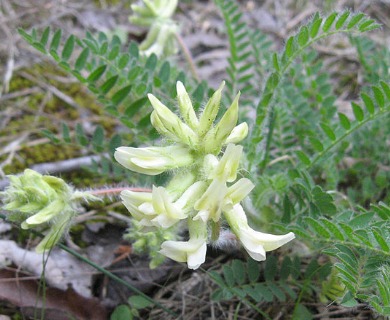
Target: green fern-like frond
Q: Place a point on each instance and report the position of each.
(376, 106)
(117, 76)
(305, 99)
(315, 30)
(374, 59)
(270, 282)
(240, 70)
(360, 243)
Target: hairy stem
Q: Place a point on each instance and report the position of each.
(99, 192)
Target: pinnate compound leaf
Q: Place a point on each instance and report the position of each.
(68, 48)
(344, 121)
(341, 20)
(82, 59)
(97, 73)
(380, 99)
(315, 27)
(368, 103)
(45, 36)
(357, 111)
(355, 20)
(329, 21)
(238, 268)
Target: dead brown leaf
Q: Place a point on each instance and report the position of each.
(20, 290)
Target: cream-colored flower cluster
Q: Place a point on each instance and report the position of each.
(204, 159)
(156, 15)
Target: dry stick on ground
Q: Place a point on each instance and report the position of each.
(52, 89)
(11, 51)
(188, 56)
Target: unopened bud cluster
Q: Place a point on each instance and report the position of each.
(204, 158)
(42, 201)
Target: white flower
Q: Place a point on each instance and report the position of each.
(238, 191)
(226, 170)
(133, 202)
(211, 202)
(255, 243)
(167, 213)
(190, 196)
(153, 160)
(193, 251)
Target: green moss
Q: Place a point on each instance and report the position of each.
(37, 112)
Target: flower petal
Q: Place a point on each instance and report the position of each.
(167, 213)
(227, 167)
(255, 243)
(211, 202)
(238, 134)
(239, 190)
(193, 252)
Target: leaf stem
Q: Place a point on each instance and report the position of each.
(188, 56)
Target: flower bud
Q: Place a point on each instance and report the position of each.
(153, 160)
(238, 134)
(172, 123)
(210, 111)
(185, 106)
(216, 137)
(42, 200)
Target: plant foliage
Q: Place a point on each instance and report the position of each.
(298, 147)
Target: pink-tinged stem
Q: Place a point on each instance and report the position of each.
(118, 190)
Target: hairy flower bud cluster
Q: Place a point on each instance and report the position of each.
(156, 15)
(36, 200)
(148, 240)
(204, 189)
